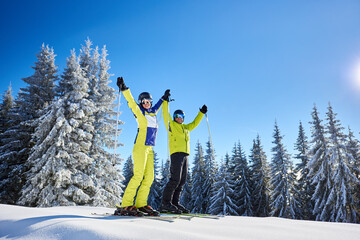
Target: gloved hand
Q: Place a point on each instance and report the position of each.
(166, 95)
(203, 109)
(120, 83)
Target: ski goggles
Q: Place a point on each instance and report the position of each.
(145, 101)
(179, 115)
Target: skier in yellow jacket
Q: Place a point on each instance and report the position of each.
(143, 155)
(179, 144)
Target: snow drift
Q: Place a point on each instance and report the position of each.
(78, 223)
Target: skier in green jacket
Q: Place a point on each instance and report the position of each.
(179, 144)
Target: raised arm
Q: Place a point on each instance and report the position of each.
(166, 115)
(191, 126)
(132, 104)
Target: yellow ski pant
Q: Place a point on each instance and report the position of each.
(143, 158)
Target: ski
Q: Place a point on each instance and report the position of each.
(198, 215)
(161, 217)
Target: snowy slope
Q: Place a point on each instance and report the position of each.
(78, 223)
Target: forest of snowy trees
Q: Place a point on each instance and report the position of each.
(58, 133)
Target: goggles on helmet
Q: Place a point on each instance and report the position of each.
(179, 115)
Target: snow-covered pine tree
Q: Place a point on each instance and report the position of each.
(40, 91)
(13, 154)
(260, 179)
(61, 169)
(106, 174)
(198, 181)
(221, 201)
(5, 107)
(340, 202)
(243, 185)
(154, 199)
(128, 171)
(233, 176)
(319, 168)
(165, 175)
(303, 184)
(89, 59)
(211, 169)
(186, 196)
(353, 147)
(28, 106)
(282, 191)
(5, 123)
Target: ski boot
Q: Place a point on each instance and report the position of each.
(128, 211)
(149, 211)
(182, 208)
(169, 208)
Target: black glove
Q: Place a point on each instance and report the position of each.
(120, 83)
(166, 95)
(203, 109)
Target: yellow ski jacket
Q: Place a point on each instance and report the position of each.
(146, 120)
(179, 134)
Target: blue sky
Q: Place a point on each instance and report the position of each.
(250, 62)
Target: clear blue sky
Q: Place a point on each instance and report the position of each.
(251, 62)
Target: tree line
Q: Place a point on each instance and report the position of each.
(57, 133)
(324, 184)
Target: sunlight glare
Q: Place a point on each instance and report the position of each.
(356, 76)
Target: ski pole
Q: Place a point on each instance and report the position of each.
(116, 128)
(168, 128)
(212, 146)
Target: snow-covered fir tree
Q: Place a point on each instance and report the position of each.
(282, 180)
(210, 171)
(186, 196)
(103, 96)
(233, 176)
(41, 85)
(13, 155)
(165, 175)
(319, 168)
(260, 178)
(89, 58)
(221, 202)
(340, 201)
(61, 170)
(5, 123)
(353, 148)
(242, 183)
(198, 181)
(28, 106)
(128, 170)
(305, 191)
(154, 199)
(5, 107)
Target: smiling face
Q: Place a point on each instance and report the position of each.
(179, 120)
(146, 103)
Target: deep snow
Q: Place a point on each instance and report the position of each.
(77, 223)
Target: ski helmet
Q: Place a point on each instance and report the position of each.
(144, 95)
(179, 113)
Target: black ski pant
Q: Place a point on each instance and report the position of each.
(178, 173)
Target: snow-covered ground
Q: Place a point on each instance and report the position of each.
(78, 223)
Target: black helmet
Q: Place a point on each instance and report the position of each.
(144, 95)
(177, 113)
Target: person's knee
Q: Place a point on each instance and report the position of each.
(148, 180)
(174, 182)
(137, 178)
